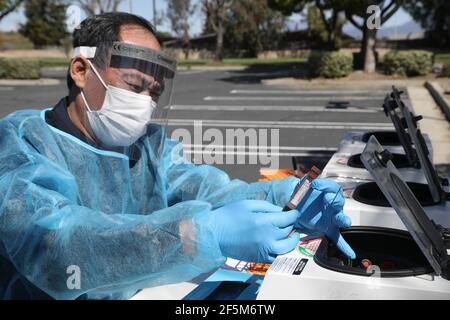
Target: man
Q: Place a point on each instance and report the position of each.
(96, 203)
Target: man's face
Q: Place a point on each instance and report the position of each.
(125, 78)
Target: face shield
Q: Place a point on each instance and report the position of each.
(129, 99)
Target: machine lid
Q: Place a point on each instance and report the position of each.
(390, 109)
(424, 231)
(421, 148)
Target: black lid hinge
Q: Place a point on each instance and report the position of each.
(445, 235)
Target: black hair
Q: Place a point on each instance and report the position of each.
(101, 31)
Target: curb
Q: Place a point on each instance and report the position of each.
(437, 93)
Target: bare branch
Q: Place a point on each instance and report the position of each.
(353, 21)
(388, 7)
(88, 6)
(210, 9)
(328, 25)
(10, 9)
(388, 15)
(91, 7)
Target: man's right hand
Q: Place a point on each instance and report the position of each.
(254, 230)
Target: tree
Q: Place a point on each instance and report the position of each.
(329, 14)
(252, 26)
(92, 7)
(180, 13)
(434, 16)
(217, 11)
(8, 6)
(359, 8)
(288, 7)
(46, 22)
(207, 25)
(333, 22)
(316, 27)
(352, 8)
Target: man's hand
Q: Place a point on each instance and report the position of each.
(323, 212)
(254, 230)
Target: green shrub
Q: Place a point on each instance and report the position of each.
(408, 63)
(446, 70)
(330, 64)
(16, 68)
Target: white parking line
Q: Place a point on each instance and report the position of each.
(189, 72)
(6, 88)
(313, 91)
(246, 98)
(221, 146)
(250, 153)
(280, 124)
(274, 108)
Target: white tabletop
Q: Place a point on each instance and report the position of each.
(168, 292)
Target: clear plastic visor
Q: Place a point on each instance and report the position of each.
(135, 89)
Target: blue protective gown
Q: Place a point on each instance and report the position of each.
(64, 203)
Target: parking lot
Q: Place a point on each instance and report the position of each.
(308, 121)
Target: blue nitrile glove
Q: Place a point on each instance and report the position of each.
(254, 230)
(322, 211)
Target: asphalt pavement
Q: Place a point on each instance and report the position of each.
(310, 122)
(246, 124)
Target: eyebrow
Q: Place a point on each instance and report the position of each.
(160, 86)
(135, 75)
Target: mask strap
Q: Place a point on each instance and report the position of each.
(85, 101)
(89, 53)
(99, 78)
(98, 75)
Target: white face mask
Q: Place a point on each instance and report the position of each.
(123, 117)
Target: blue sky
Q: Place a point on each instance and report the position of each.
(145, 9)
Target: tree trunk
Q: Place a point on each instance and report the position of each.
(368, 46)
(328, 26)
(186, 44)
(333, 40)
(333, 32)
(330, 40)
(186, 52)
(219, 43)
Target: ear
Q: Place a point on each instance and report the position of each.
(79, 67)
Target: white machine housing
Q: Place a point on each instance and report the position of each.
(363, 203)
(346, 162)
(364, 214)
(301, 274)
(337, 167)
(354, 142)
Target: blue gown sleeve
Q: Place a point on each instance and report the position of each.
(44, 233)
(206, 183)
